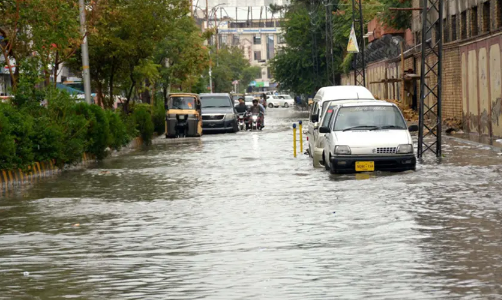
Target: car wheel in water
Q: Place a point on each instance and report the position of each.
(270, 105)
(326, 165)
(286, 105)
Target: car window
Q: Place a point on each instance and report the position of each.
(327, 117)
(215, 101)
(381, 117)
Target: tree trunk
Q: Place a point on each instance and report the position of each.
(145, 95)
(112, 75)
(129, 94)
(56, 69)
(99, 87)
(13, 78)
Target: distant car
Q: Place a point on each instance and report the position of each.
(280, 101)
(367, 136)
(218, 113)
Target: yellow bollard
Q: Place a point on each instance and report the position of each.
(294, 140)
(301, 136)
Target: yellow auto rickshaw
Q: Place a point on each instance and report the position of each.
(183, 115)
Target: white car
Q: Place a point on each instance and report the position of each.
(367, 136)
(280, 101)
(323, 97)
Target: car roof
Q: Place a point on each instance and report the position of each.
(214, 94)
(343, 102)
(183, 94)
(368, 103)
(343, 92)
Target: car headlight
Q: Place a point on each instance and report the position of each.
(404, 149)
(342, 150)
(229, 116)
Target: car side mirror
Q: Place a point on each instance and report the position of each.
(413, 128)
(324, 129)
(314, 118)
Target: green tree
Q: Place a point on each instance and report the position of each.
(230, 65)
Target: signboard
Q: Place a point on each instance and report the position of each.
(352, 47)
(252, 83)
(235, 82)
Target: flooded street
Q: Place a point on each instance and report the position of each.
(235, 216)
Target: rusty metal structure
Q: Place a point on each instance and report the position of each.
(359, 60)
(431, 68)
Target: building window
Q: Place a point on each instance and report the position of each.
(499, 13)
(454, 27)
(269, 73)
(235, 40)
(486, 16)
(474, 21)
(463, 25)
(270, 47)
(446, 32)
(257, 55)
(257, 40)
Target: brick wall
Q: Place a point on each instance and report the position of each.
(452, 90)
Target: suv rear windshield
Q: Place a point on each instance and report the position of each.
(215, 101)
(369, 117)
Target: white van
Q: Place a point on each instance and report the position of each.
(367, 136)
(320, 102)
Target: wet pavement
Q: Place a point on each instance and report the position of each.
(235, 216)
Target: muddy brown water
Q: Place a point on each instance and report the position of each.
(235, 216)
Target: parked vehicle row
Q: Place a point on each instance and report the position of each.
(350, 131)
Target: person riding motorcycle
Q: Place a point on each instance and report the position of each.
(241, 107)
(257, 108)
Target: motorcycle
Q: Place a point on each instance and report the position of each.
(255, 122)
(241, 121)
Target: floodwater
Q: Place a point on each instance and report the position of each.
(235, 216)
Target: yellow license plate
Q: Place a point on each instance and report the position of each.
(365, 166)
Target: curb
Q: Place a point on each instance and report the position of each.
(15, 178)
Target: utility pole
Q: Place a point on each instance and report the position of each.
(430, 116)
(359, 63)
(85, 54)
(210, 62)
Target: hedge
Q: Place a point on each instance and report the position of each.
(66, 129)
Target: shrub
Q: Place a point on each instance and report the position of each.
(159, 117)
(7, 141)
(62, 114)
(48, 139)
(98, 129)
(119, 136)
(21, 127)
(143, 122)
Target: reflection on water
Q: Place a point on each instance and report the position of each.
(235, 216)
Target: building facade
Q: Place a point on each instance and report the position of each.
(259, 41)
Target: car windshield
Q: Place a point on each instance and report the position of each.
(182, 103)
(369, 118)
(215, 101)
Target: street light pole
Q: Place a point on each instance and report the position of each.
(85, 54)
